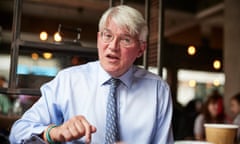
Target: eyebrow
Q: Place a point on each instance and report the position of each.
(125, 34)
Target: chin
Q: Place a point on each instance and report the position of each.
(115, 72)
(112, 68)
(112, 72)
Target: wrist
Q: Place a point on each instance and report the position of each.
(47, 137)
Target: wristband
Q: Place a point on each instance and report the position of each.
(49, 140)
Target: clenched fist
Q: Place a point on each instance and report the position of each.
(72, 129)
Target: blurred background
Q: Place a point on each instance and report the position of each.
(192, 44)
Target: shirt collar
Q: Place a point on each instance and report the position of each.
(103, 76)
(126, 78)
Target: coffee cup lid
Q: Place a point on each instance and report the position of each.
(191, 142)
(230, 126)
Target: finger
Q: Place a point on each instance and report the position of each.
(80, 127)
(87, 127)
(93, 129)
(66, 133)
(73, 130)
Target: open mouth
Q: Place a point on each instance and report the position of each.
(112, 57)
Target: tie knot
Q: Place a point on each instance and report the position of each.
(114, 82)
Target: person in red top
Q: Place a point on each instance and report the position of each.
(213, 112)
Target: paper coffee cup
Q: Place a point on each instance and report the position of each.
(221, 133)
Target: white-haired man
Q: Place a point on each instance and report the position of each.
(74, 106)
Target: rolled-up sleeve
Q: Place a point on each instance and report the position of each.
(35, 120)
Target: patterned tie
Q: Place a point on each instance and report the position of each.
(112, 133)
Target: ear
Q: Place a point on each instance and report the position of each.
(142, 46)
(98, 38)
(98, 35)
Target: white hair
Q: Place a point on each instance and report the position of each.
(125, 17)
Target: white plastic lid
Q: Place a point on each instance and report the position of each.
(230, 126)
(191, 142)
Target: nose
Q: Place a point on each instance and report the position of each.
(114, 45)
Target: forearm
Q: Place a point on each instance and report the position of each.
(33, 122)
(23, 130)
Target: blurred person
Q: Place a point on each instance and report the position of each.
(235, 109)
(73, 106)
(191, 111)
(213, 112)
(5, 101)
(5, 107)
(23, 103)
(178, 121)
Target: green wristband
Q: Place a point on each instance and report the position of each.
(49, 140)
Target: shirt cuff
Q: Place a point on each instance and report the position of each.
(34, 139)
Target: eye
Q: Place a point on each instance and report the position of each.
(127, 40)
(107, 36)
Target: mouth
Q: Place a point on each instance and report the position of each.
(112, 57)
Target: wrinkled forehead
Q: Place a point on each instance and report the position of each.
(123, 26)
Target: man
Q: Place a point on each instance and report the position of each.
(73, 107)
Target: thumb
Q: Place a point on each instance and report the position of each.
(93, 129)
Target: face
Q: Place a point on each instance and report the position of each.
(235, 108)
(213, 108)
(2, 83)
(117, 55)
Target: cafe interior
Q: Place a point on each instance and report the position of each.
(192, 45)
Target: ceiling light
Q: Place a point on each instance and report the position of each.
(216, 64)
(57, 37)
(47, 55)
(43, 36)
(216, 82)
(191, 50)
(192, 83)
(34, 56)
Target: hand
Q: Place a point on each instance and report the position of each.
(72, 129)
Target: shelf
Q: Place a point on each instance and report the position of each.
(19, 46)
(50, 47)
(62, 47)
(21, 91)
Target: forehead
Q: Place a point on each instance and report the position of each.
(234, 101)
(112, 26)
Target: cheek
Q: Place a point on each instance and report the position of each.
(130, 54)
(128, 58)
(213, 109)
(101, 48)
(237, 107)
(234, 107)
